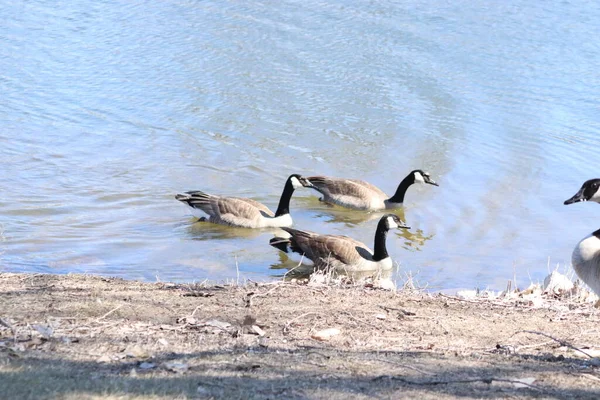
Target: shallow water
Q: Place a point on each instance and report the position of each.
(110, 108)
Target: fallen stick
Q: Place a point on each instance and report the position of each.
(7, 324)
(451, 382)
(403, 311)
(108, 313)
(291, 321)
(561, 342)
(480, 300)
(251, 295)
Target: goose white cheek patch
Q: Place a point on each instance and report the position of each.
(391, 223)
(419, 178)
(296, 183)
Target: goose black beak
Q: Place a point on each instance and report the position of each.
(431, 182)
(575, 199)
(305, 182)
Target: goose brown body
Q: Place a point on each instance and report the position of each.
(341, 253)
(361, 195)
(243, 212)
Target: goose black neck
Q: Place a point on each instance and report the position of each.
(398, 197)
(284, 201)
(380, 237)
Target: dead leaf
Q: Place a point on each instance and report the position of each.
(45, 331)
(218, 325)
(104, 359)
(187, 320)
(174, 366)
(249, 320)
(137, 352)
(326, 334)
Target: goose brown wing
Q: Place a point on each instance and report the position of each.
(260, 206)
(231, 210)
(235, 210)
(320, 248)
(370, 187)
(346, 187)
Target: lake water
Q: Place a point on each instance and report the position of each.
(110, 108)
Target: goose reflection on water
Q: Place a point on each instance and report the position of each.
(202, 230)
(414, 241)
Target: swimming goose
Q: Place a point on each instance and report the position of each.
(243, 212)
(586, 255)
(341, 253)
(361, 195)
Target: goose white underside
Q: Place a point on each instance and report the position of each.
(265, 221)
(365, 266)
(358, 203)
(586, 262)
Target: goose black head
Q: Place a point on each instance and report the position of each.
(588, 192)
(423, 177)
(393, 221)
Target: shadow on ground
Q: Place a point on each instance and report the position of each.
(305, 373)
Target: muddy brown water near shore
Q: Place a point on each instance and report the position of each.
(79, 336)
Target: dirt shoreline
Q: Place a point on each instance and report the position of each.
(85, 337)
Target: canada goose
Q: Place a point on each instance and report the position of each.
(341, 253)
(361, 195)
(242, 212)
(586, 255)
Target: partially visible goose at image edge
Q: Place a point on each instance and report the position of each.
(244, 212)
(361, 195)
(586, 255)
(341, 253)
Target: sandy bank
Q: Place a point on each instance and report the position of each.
(79, 336)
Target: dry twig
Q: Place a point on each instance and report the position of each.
(251, 295)
(401, 310)
(562, 342)
(108, 313)
(287, 325)
(7, 324)
(452, 381)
